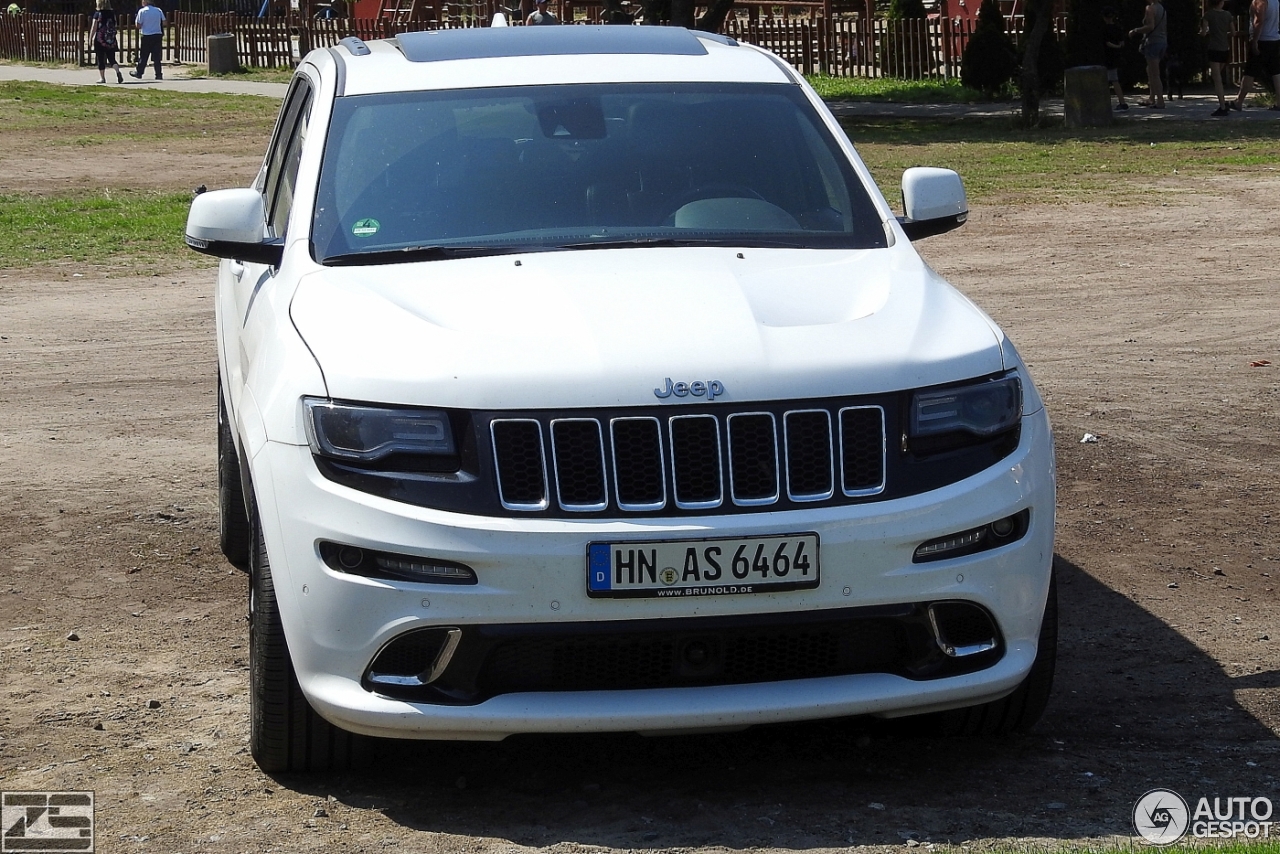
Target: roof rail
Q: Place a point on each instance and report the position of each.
(355, 45)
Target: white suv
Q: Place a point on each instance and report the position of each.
(580, 379)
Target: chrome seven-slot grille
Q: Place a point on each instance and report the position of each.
(689, 462)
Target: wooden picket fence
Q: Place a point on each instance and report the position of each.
(43, 38)
(908, 49)
(911, 49)
(914, 49)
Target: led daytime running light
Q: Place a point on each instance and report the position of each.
(960, 541)
(430, 570)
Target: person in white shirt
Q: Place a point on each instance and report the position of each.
(1264, 49)
(150, 21)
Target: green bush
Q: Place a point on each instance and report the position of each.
(900, 9)
(989, 60)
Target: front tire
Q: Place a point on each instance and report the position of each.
(233, 521)
(285, 733)
(1019, 711)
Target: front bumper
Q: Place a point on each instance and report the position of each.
(534, 571)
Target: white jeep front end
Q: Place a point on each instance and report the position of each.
(527, 431)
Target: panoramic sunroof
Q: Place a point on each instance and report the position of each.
(485, 42)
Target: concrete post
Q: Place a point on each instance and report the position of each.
(221, 51)
(1087, 102)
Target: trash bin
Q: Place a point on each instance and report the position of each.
(222, 53)
(1087, 102)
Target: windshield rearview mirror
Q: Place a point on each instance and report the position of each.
(578, 119)
(933, 202)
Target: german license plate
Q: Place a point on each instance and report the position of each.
(717, 567)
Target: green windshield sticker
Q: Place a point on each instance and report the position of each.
(365, 228)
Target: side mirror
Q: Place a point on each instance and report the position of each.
(933, 202)
(230, 224)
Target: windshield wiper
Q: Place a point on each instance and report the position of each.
(683, 241)
(418, 253)
(437, 253)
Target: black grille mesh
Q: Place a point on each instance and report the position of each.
(809, 453)
(410, 654)
(637, 459)
(518, 445)
(579, 462)
(695, 455)
(695, 448)
(962, 624)
(753, 455)
(862, 448)
(733, 656)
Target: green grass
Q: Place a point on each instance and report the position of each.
(1259, 846)
(999, 162)
(254, 75)
(893, 90)
(107, 227)
(1058, 165)
(129, 229)
(131, 112)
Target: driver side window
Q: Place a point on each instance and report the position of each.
(286, 152)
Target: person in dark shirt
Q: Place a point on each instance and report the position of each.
(1114, 36)
(1217, 28)
(102, 35)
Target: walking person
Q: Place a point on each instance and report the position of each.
(1155, 44)
(1217, 27)
(1264, 50)
(102, 35)
(150, 21)
(1113, 38)
(540, 16)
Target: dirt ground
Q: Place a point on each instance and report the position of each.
(123, 639)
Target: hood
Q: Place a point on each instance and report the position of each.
(607, 327)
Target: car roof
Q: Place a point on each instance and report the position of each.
(490, 42)
(518, 56)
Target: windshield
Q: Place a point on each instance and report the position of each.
(439, 174)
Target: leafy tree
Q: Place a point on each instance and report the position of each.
(903, 9)
(989, 60)
(712, 20)
(1086, 33)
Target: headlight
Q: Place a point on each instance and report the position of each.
(983, 409)
(368, 433)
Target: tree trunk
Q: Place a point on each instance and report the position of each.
(717, 12)
(1030, 80)
(682, 13)
(656, 11)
